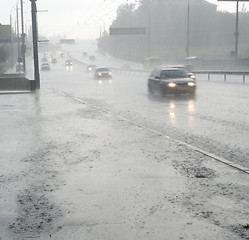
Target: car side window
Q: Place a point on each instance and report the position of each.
(157, 74)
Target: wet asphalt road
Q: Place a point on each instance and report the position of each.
(216, 120)
(89, 160)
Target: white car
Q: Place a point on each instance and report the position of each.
(19, 67)
(45, 66)
(103, 73)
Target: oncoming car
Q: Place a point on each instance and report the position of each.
(45, 66)
(19, 67)
(53, 60)
(61, 55)
(170, 81)
(68, 63)
(90, 68)
(103, 73)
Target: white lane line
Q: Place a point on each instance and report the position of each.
(208, 154)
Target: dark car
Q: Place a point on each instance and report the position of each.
(53, 60)
(170, 81)
(90, 68)
(103, 73)
(68, 63)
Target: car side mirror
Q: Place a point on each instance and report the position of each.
(157, 77)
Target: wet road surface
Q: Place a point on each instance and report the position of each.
(215, 120)
(88, 159)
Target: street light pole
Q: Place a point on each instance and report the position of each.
(23, 48)
(236, 34)
(149, 40)
(187, 49)
(11, 42)
(237, 31)
(18, 33)
(35, 42)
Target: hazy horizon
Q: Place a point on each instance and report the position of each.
(90, 16)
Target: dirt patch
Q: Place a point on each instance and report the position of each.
(36, 215)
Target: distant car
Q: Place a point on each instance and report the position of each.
(45, 66)
(126, 66)
(103, 73)
(92, 58)
(54, 60)
(61, 55)
(170, 81)
(44, 59)
(90, 68)
(19, 67)
(68, 63)
(186, 68)
(45, 54)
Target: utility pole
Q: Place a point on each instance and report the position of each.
(23, 48)
(35, 42)
(236, 34)
(237, 31)
(18, 33)
(187, 49)
(11, 43)
(129, 36)
(149, 50)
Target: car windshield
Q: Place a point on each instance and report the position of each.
(103, 70)
(174, 73)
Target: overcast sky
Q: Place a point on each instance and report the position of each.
(76, 18)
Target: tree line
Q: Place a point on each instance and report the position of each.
(168, 23)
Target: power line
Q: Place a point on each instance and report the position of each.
(87, 21)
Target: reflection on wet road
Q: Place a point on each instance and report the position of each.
(175, 117)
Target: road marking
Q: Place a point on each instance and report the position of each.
(179, 142)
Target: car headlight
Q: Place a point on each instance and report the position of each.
(193, 77)
(89, 69)
(110, 73)
(172, 84)
(99, 74)
(191, 84)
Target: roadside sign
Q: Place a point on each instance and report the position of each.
(128, 31)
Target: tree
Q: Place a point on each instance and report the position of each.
(211, 32)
